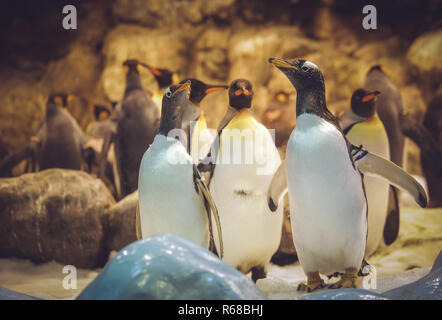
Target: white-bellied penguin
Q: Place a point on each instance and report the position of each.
(172, 195)
(244, 161)
(164, 79)
(362, 126)
(328, 206)
(199, 138)
(398, 126)
(137, 120)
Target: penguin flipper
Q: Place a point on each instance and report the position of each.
(278, 187)
(210, 206)
(392, 221)
(138, 223)
(373, 165)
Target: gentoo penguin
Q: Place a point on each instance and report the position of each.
(136, 119)
(164, 79)
(432, 170)
(57, 142)
(199, 138)
(172, 196)
(327, 199)
(246, 159)
(362, 126)
(398, 125)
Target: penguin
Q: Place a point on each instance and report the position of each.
(238, 184)
(164, 79)
(172, 195)
(362, 126)
(200, 139)
(277, 115)
(398, 126)
(328, 206)
(136, 120)
(57, 142)
(432, 170)
(97, 132)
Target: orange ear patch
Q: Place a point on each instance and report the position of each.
(238, 92)
(368, 97)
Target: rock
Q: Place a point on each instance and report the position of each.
(424, 55)
(56, 215)
(6, 294)
(169, 267)
(121, 225)
(344, 294)
(426, 288)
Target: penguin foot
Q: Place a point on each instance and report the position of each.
(314, 282)
(348, 280)
(258, 273)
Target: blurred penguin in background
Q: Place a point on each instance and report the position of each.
(136, 120)
(57, 143)
(164, 79)
(433, 170)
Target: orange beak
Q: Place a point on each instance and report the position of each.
(215, 89)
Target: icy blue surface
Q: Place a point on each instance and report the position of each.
(169, 267)
(344, 294)
(426, 288)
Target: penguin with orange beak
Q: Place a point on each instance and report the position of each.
(164, 79)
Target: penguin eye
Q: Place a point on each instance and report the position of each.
(168, 93)
(304, 68)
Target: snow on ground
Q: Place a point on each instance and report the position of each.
(408, 259)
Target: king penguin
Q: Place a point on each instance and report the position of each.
(328, 206)
(172, 196)
(57, 142)
(136, 120)
(398, 126)
(164, 79)
(199, 138)
(246, 159)
(362, 126)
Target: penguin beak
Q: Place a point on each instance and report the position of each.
(184, 86)
(212, 89)
(154, 71)
(281, 63)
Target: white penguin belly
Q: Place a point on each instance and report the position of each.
(327, 202)
(372, 135)
(168, 199)
(251, 232)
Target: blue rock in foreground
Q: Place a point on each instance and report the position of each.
(426, 288)
(169, 267)
(344, 294)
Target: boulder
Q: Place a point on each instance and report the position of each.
(56, 215)
(344, 294)
(169, 267)
(423, 57)
(426, 288)
(121, 223)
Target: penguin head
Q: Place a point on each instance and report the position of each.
(132, 66)
(164, 77)
(302, 74)
(199, 90)
(60, 99)
(100, 112)
(175, 101)
(240, 94)
(363, 102)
